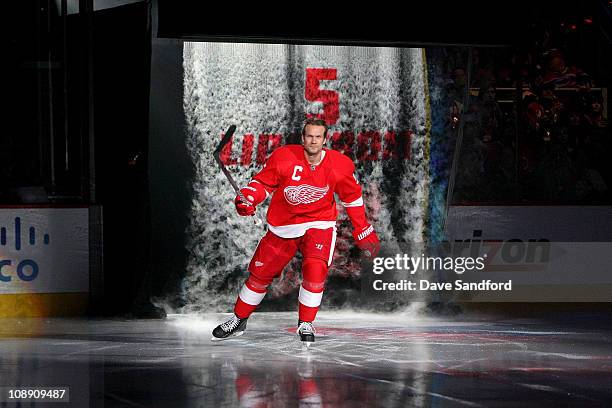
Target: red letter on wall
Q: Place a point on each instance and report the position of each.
(368, 151)
(266, 145)
(226, 153)
(405, 143)
(247, 150)
(343, 142)
(397, 147)
(314, 93)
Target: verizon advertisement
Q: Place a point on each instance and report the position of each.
(505, 254)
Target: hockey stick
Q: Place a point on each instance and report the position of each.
(217, 155)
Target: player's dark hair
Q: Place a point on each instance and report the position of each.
(315, 122)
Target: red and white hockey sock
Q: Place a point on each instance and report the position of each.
(314, 271)
(309, 304)
(251, 295)
(248, 394)
(309, 393)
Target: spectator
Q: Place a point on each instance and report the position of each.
(558, 74)
(593, 116)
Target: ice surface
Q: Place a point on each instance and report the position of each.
(357, 360)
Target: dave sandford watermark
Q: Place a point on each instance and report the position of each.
(439, 266)
(412, 264)
(527, 269)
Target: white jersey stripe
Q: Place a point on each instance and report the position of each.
(308, 298)
(298, 230)
(357, 203)
(250, 296)
(332, 248)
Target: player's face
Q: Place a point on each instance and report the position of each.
(313, 139)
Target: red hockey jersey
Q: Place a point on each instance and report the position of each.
(303, 197)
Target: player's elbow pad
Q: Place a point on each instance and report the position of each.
(254, 192)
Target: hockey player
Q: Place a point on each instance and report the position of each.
(302, 216)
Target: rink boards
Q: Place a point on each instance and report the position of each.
(44, 261)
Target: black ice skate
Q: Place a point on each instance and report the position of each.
(234, 327)
(306, 332)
